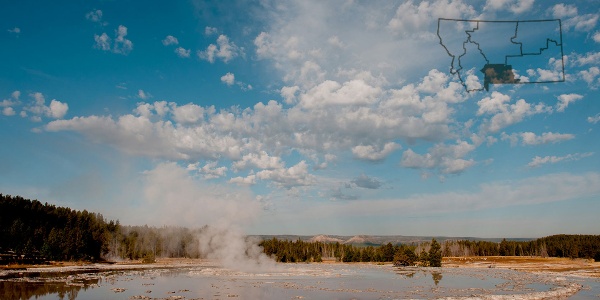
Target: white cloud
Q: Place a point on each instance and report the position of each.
(248, 180)
(121, 45)
(355, 92)
(94, 16)
(8, 111)
(505, 114)
(225, 50)
(187, 114)
(294, 176)
(411, 18)
(7, 104)
(538, 160)
(15, 30)
(583, 22)
(144, 95)
(289, 93)
(228, 78)
(102, 42)
(364, 181)
(530, 138)
(336, 42)
(515, 6)
(58, 109)
(591, 76)
(595, 119)
(448, 159)
(211, 170)
(260, 160)
(210, 30)
(596, 37)
(374, 153)
(170, 40)
(565, 99)
(592, 58)
(182, 52)
(561, 10)
(38, 108)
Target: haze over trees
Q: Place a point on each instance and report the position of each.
(28, 227)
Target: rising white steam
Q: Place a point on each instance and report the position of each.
(171, 196)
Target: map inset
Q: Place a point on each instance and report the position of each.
(503, 52)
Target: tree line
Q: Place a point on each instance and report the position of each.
(29, 227)
(301, 251)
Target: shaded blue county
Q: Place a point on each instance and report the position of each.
(494, 40)
(453, 37)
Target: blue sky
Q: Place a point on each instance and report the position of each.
(303, 117)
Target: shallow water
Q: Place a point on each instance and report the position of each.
(294, 281)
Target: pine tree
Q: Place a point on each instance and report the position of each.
(435, 254)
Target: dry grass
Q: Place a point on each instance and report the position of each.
(567, 266)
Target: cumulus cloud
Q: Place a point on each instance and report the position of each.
(374, 153)
(539, 161)
(579, 22)
(120, 44)
(515, 6)
(565, 99)
(411, 17)
(260, 160)
(38, 108)
(170, 40)
(596, 37)
(504, 114)
(228, 78)
(591, 76)
(531, 139)
(7, 104)
(15, 30)
(224, 50)
(95, 16)
(8, 111)
(594, 119)
(210, 170)
(102, 42)
(143, 95)
(291, 177)
(210, 30)
(364, 181)
(182, 52)
(448, 159)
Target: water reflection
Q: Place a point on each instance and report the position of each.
(26, 290)
(437, 277)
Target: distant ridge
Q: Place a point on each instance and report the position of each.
(376, 240)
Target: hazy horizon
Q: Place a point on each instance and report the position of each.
(305, 117)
